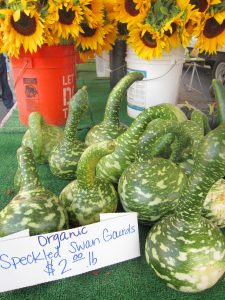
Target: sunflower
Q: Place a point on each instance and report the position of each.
(212, 35)
(191, 25)
(26, 32)
(145, 41)
(203, 5)
(63, 19)
(89, 53)
(89, 38)
(110, 35)
(131, 11)
(93, 11)
(170, 31)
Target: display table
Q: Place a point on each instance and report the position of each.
(132, 279)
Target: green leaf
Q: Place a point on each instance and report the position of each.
(164, 10)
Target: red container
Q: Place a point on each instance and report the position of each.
(44, 82)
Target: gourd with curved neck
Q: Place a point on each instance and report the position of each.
(152, 186)
(111, 166)
(111, 127)
(88, 196)
(219, 91)
(64, 157)
(41, 137)
(185, 249)
(214, 204)
(34, 207)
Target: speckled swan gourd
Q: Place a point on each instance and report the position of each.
(112, 166)
(186, 250)
(34, 207)
(151, 186)
(64, 157)
(111, 127)
(41, 137)
(88, 196)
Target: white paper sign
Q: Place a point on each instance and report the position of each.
(42, 258)
(17, 235)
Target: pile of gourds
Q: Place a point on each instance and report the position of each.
(164, 166)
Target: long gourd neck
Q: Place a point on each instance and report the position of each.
(36, 124)
(164, 111)
(27, 168)
(209, 167)
(157, 137)
(77, 106)
(115, 98)
(86, 168)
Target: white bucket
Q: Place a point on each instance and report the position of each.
(102, 64)
(161, 80)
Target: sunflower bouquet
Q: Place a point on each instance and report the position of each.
(30, 24)
(160, 25)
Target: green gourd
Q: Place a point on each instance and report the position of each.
(152, 186)
(111, 127)
(112, 166)
(64, 157)
(219, 91)
(185, 249)
(34, 207)
(41, 137)
(88, 196)
(214, 204)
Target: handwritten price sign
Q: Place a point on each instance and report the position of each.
(33, 260)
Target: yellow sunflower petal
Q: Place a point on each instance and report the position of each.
(16, 15)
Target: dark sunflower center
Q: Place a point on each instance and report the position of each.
(130, 8)
(66, 16)
(88, 32)
(174, 28)
(43, 2)
(213, 28)
(148, 40)
(201, 5)
(25, 25)
(122, 28)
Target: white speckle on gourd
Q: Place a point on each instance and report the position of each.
(141, 193)
(28, 212)
(182, 256)
(162, 276)
(34, 225)
(171, 261)
(186, 241)
(154, 254)
(185, 277)
(163, 247)
(161, 184)
(156, 201)
(49, 217)
(144, 181)
(24, 221)
(35, 205)
(171, 238)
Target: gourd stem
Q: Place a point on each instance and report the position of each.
(77, 106)
(29, 179)
(209, 167)
(87, 164)
(111, 116)
(35, 123)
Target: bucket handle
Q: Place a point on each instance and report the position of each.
(21, 72)
(113, 70)
(172, 66)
